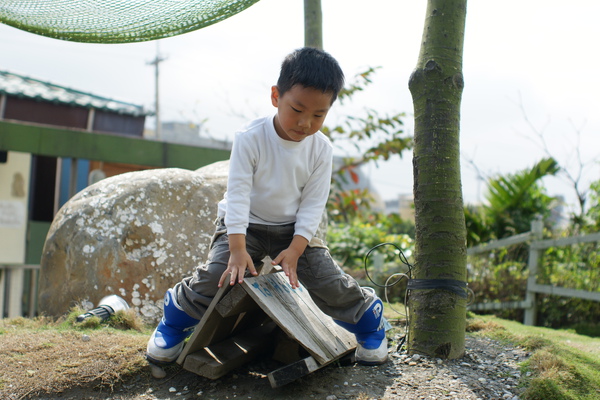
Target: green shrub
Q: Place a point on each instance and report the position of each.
(350, 243)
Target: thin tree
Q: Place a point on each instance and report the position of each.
(313, 24)
(438, 294)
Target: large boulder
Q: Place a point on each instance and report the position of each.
(134, 235)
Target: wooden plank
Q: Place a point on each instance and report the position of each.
(204, 331)
(235, 302)
(249, 319)
(223, 329)
(217, 360)
(300, 368)
(293, 371)
(287, 350)
(299, 317)
(212, 327)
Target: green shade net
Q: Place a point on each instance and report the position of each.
(116, 21)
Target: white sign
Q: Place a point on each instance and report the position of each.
(12, 214)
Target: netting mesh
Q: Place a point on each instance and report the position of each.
(116, 21)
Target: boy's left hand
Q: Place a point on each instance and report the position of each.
(288, 259)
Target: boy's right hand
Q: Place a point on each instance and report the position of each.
(236, 268)
(239, 260)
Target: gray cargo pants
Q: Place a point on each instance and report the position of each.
(336, 293)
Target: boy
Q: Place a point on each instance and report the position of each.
(278, 185)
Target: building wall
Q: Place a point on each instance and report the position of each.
(42, 112)
(118, 123)
(14, 194)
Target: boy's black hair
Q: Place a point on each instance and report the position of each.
(311, 68)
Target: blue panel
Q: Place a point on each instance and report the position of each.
(65, 171)
(83, 168)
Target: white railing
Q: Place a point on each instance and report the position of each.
(18, 290)
(536, 249)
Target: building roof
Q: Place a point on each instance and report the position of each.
(26, 87)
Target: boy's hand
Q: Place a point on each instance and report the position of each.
(239, 260)
(288, 259)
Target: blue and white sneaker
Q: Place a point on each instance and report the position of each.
(168, 339)
(370, 335)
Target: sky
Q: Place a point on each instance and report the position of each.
(530, 68)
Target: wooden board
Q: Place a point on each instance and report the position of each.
(216, 360)
(237, 325)
(299, 317)
(204, 332)
(221, 317)
(293, 371)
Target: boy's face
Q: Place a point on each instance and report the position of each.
(301, 111)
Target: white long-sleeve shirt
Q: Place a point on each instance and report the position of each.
(275, 182)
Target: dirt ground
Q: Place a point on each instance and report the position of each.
(108, 364)
(102, 364)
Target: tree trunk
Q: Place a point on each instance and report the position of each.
(313, 24)
(438, 294)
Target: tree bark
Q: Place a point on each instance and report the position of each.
(437, 297)
(313, 24)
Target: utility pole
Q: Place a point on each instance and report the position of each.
(156, 63)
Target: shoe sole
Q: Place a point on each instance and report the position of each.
(159, 362)
(369, 363)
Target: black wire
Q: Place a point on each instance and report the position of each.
(401, 256)
(404, 339)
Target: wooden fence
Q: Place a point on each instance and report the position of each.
(536, 248)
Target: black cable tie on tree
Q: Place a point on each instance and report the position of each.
(452, 285)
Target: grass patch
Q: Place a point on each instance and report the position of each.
(122, 319)
(563, 365)
(587, 329)
(45, 355)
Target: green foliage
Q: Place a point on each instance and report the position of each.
(587, 328)
(574, 267)
(510, 191)
(496, 277)
(344, 205)
(383, 137)
(349, 244)
(564, 312)
(493, 279)
(513, 201)
(478, 226)
(591, 220)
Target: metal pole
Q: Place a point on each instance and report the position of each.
(156, 63)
